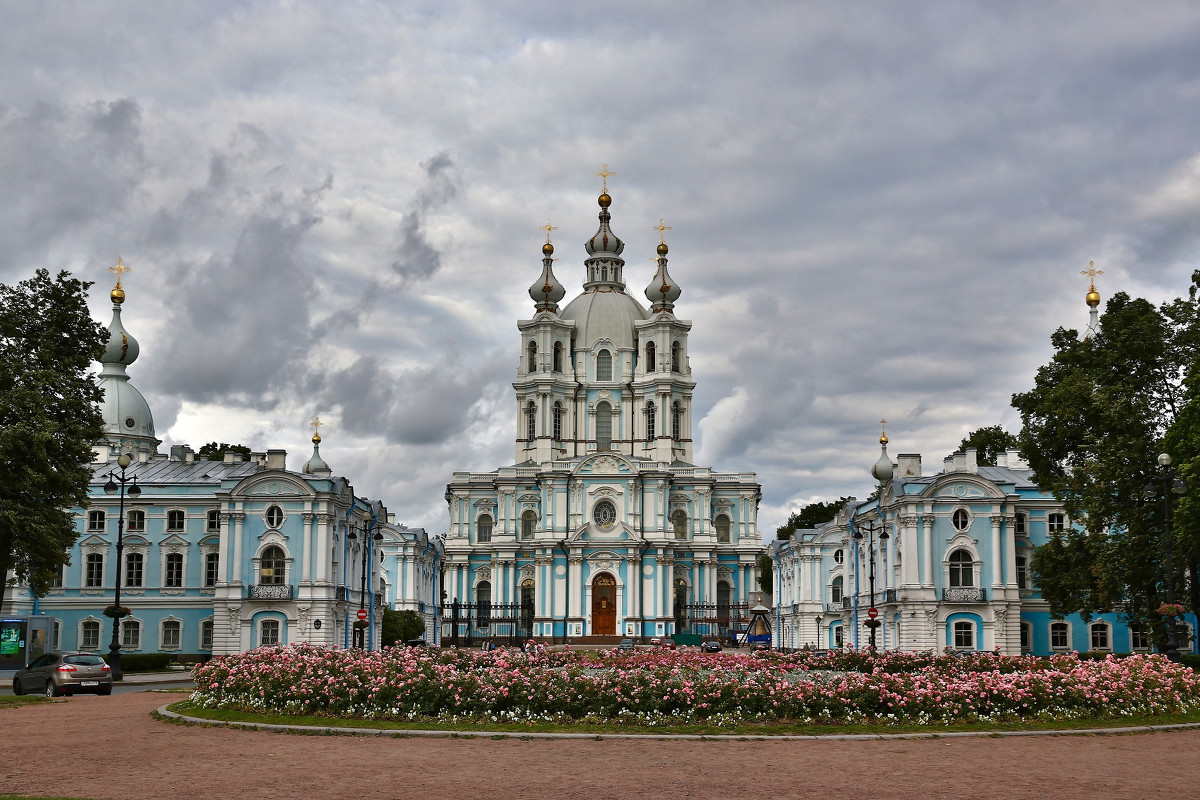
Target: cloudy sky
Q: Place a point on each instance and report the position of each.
(876, 209)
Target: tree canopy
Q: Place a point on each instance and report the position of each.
(49, 420)
(400, 627)
(216, 452)
(989, 442)
(810, 516)
(1094, 423)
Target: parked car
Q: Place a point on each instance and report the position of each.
(656, 642)
(59, 673)
(667, 644)
(760, 646)
(711, 646)
(626, 646)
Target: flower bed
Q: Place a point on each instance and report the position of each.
(667, 688)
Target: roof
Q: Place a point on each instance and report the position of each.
(164, 471)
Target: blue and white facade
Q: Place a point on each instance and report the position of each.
(602, 526)
(224, 556)
(953, 571)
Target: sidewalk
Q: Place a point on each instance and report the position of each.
(141, 678)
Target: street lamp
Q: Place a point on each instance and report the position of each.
(115, 483)
(1164, 481)
(873, 528)
(819, 633)
(362, 595)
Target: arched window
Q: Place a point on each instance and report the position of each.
(649, 356)
(483, 528)
(676, 357)
(557, 421)
(603, 426)
(964, 635)
(835, 590)
(962, 569)
(558, 356)
(721, 523)
(723, 595)
(650, 422)
(604, 366)
(271, 566)
(483, 602)
(173, 579)
(676, 421)
(528, 521)
(679, 524)
(532, 364)
(530, 421)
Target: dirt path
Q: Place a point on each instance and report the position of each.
(63, 749)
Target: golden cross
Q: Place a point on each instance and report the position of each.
(120, 269)
(605, 174)
(1092, 272)
(661, 231)
(547, 228)
(316, 423)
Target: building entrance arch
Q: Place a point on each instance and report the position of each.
(604, 605)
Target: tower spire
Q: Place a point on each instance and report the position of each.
(546, 291)
(662, 291)
(1092, 298)
(316, 465)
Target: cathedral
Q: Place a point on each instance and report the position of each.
(602, 526)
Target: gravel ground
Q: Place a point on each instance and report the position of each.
(109, 747)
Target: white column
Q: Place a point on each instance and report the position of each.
(1010, 551)
(996, 554)
(238, 520)
(223, 562)
(927, 567)
(310, 544)
(573, 603)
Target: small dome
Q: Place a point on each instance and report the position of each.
(547, 249)
(662, 248)
(1093, 298)
(122, 348)
(117, 295)
(604, 200)
(605, 242)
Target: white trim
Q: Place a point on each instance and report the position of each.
(162, 639)
(1050, 636)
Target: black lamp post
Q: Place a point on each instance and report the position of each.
(819, 647)
(873, 528)
(115, 483)
(362, 595)
(1164, 481)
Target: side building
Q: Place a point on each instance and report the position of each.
(224, 556)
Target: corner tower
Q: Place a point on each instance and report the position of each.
(128, 423)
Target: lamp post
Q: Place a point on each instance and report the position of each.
(873, 528)
(819, 633)
(362, 595)
(1164, 481)
(117, 483)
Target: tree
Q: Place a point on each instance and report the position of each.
(1098, 416)
(989, 442)
(49, 420)
(216, 452)
(401, 626)
(765, 573)
(810, 516)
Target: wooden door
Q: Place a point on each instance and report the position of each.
(604, 605)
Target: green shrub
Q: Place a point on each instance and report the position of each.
(143, 662)
(1191, 661)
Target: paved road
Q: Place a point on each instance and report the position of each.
(125, 688)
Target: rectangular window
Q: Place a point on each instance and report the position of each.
(270, 632)
(171, 630)
(95, 520)
(135, 520)
(1022, 573)
(206, 635)
(214, 520)
(1056, 523)
(57, 635)
(1139, 639)
(94, 570)
(175, 520)
(1100, 637)
(1059, 636)
(56, 581)
(1020, 524)
(131, 634)
(173, 579)
(1026, 637)
(133, 569)
(212, 563)
(964, 635)
(90, 637)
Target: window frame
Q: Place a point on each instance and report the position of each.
(164, 636)
(676, 356)
(556, 413)
(960, 520)
(1022, 573)
(212, 519)
(651, 355)
(530, 421)
(135, 520)
(531, 351)
(207, 629)
(1105, 630)
(96, 519)
(173, 571)
(604, 366)
(1060, 627)
(277, 632)
(135, 577)
(274, 516)
(1026, 634)
(1145, 636)
(837, 589)
(676, 422)
(93, 571)
(212, 569)
(484, 528)
(131, 634)
(528, 524)
(962, 567)
(558, 357)
(651, 421)
(679, 525)
(724, 529)
(86, 627)
(176, 520)
(1056, 522)
(958, 628)
(277, 565)
(604, 426)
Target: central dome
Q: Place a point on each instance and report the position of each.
(604, 315)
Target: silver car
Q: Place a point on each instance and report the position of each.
(58, 673)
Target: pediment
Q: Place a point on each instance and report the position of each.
(277, 484)
(174, 540)
(964, 490)
(94, 541)
(605, 464)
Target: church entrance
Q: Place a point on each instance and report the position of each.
(604, 605)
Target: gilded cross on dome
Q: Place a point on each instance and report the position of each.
(120, 269)
(547, 228)
(605, 175)
(883, 432)
(1092, 272)
(662, 229)
(316, 424)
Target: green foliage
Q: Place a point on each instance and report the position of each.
(216, 452)
(401, 626)
(989, 442)
(49, 419)
(1190, 661)
(765, 573)
(1094, 423)
(810, 516)
(143, 662)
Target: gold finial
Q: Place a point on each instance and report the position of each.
(605, 175)
(1092, 297)
(117, 295)
(316, 423)
(548, 248)
(883, 434)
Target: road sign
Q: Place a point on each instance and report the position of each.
(362, 613)
(871, 612)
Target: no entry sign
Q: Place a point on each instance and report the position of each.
(871, 612)
(362, 613)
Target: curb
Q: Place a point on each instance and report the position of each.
(165, 713)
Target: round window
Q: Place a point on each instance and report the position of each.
(961, 519)
(274, 516)
(130, 422)
(605, 515)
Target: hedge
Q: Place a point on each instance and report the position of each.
(143, 662)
